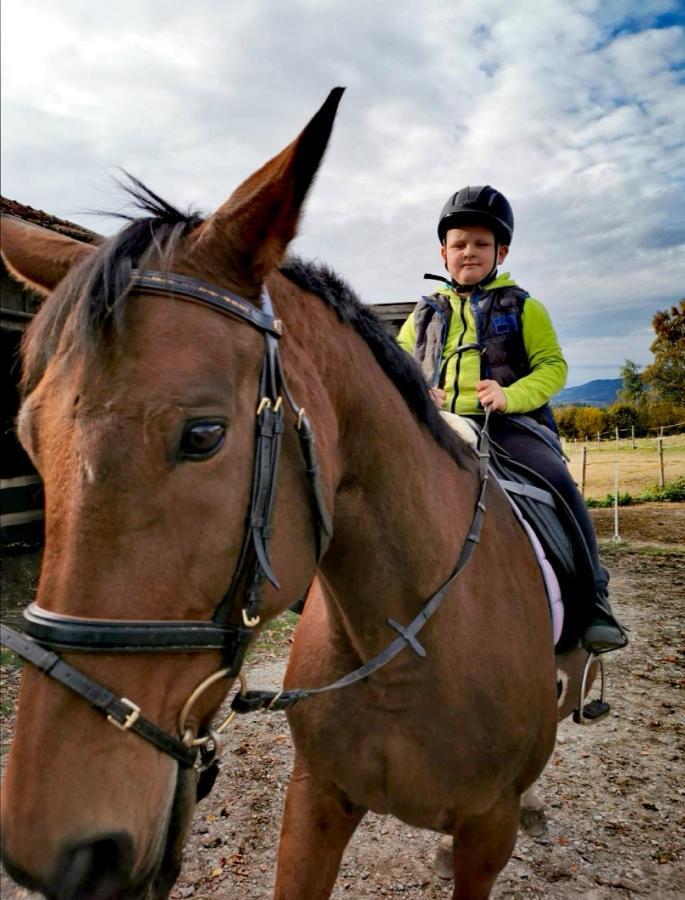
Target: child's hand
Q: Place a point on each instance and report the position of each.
(491, 394)
(438, 396)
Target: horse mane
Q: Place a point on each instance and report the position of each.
(89, 305)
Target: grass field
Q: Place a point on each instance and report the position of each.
(638, 468)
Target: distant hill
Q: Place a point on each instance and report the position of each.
(601, 392)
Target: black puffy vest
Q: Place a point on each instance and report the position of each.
(500, 334)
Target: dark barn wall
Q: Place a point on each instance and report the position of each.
(21, 491)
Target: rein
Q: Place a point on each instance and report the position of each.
(45, 631)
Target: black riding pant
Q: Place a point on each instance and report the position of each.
(535, 452)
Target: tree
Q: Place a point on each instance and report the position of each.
(623, 416)
(633, 390)
(666, 375)
(589, 420)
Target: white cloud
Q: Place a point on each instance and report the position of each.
(574, 108)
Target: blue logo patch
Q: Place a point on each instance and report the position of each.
(507, 323)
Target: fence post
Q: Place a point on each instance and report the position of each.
(598, 437)
(632, 435)
(617, 443)
(616, 538)
(660, 449)
(583, 463)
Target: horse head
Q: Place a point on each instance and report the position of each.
(139, 413)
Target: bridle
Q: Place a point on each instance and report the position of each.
(46, 632)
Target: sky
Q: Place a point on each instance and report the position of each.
(575, 109)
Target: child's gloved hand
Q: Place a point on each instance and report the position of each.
(491, 394)
(438, 396)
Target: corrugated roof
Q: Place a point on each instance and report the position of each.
(38, 217)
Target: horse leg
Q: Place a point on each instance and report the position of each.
(318, 823)
(482, 847)
(532, 817)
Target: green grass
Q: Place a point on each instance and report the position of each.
(9, 659)
(276, 636)
(611, 548)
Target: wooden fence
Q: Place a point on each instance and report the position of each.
(638, 464)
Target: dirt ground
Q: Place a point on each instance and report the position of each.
(614, 792)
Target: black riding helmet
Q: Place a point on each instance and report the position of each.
(478, 205)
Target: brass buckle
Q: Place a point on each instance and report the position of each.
(130, 719)
(250, 622)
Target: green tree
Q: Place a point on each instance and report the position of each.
(623, 416)
(633, 390)
(666, 375)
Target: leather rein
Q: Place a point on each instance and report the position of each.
(45, 632)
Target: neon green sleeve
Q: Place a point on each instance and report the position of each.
(407, 336)
(548, 369)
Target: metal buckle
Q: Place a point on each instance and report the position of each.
(130, 719)
(250, 622)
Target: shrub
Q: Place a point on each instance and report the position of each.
(671, 492)
(603, 502)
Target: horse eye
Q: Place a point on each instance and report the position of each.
(200, 440)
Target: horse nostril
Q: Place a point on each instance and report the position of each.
(97, 870)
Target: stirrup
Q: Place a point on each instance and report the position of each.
(596, 710)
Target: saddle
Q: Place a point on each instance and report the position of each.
(548, 515)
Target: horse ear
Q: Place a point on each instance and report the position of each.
(258, 221)
(38, 257)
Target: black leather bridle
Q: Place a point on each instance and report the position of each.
(45, 632)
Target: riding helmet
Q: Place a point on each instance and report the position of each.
(478, 205)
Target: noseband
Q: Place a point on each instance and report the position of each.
(45, 632)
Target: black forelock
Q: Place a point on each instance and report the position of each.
(95, 289)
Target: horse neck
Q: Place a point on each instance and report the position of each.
(402, 505)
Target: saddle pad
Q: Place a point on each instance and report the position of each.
(545, 513)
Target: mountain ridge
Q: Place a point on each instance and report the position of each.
(599, 392)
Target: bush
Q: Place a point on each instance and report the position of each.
(671, 492)
(603, 502)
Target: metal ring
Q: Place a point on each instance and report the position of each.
(186, 732)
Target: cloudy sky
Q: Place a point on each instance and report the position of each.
(573, 108)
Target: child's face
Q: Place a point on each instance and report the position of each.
(469, 253)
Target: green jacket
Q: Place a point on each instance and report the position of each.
(548, 369)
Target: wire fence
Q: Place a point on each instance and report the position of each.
(625, 463)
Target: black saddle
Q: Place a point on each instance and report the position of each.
(550, 517)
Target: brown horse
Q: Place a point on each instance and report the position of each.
(139, 413)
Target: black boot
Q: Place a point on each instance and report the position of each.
(604, 632)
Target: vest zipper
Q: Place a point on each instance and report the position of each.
(457, 367)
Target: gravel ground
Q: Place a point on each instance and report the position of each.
(614, 793)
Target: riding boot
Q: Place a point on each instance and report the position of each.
(604, 632)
